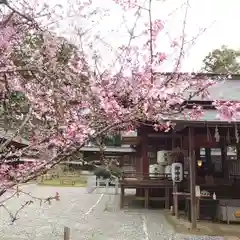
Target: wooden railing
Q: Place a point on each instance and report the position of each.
(140, 175)
(234, 177)
(150, 176)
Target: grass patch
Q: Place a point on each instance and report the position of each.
(65, 182)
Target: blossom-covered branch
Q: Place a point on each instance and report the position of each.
(16, 192)
(75, 97)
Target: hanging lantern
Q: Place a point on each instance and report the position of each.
(236, 134)
(228, 136)
(199, 163)
(216, 135)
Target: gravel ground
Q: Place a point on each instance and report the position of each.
(89, 216)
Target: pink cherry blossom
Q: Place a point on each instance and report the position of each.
(73, 100)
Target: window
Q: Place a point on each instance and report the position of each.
(203, 155)
(231, 153)
(211, 161)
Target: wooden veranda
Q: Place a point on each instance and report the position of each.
(145, 183)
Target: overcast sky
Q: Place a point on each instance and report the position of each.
(219, 17)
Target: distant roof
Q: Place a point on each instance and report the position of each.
(198, 74)
(108, 149)
(226, 90)
(9, 134)
(227, 87)
(209, 115)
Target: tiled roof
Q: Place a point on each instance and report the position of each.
(108, 149)
(227, 90)
(209, 115)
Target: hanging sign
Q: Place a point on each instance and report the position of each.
(197, 191)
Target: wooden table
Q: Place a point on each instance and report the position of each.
(146, 185)
(206, 208)
(176, 196)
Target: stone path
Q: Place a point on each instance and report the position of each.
(89, 216)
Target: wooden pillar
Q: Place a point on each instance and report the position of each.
(139, 191)
(175, 190)
(208, 157)
(192, 177)
(138, 157)
(66, 235)
(144, 162)
(122, 196)
(238, 152)
(146, 193)
(224, 158)
(175, 199)
(167, 200)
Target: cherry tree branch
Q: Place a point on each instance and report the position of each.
(18, 191)
(61, 155)
(131, 33)
(183, 35)
(28, 18)
(150, 37)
